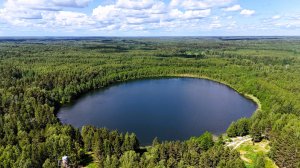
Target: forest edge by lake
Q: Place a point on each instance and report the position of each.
(87, 117)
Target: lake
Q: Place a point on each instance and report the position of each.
(169, 108)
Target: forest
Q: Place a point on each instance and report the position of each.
(38, 76)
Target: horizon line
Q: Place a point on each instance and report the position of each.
(35, 36)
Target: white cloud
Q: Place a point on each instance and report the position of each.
(31, 12)
(233, 8)
(71, 3)
(229, 17)
(122, 15)
(44, 14)
(276, 17)
(158, 8)
(247, 12)
(176, 14)
(216, 23)
(198, 4)
(21, 13)
(152, 14)
(196, 14)
(135, 4)
(46, 4)
(106, 13)
(68, 19)
(112, 15)
(285, 21)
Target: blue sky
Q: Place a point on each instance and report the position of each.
(149, 17)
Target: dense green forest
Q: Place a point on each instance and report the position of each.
(37, 76)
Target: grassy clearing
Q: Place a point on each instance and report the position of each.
(250, 151)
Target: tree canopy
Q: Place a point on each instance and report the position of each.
(37, 76)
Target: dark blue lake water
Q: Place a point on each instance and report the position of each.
(170, 109)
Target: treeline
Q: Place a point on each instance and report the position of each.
(37, 78)
(113, 150)
(41, 149)
(104, 142)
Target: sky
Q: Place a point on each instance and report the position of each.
(149, 17)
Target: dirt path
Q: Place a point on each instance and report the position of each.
(236, 142)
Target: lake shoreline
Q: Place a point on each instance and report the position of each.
(246, 95)
(73, 114)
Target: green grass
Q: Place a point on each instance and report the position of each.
(249, 153)
(91, 165)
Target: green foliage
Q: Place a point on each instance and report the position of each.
(205, 141)
(259, 162)
(238, 128)
(286, 145)
(155, 141)
(129, 159)
(256, 132)
(219, 156)
(49, 164)
(237, 163)
(38, 76)
(111, 162)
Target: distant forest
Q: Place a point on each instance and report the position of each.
(37, 76)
